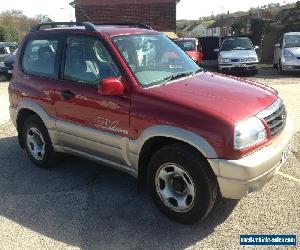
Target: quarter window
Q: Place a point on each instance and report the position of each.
(88, 61)
(39, 57)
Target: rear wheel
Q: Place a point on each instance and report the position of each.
(181, 183)
(37, 142)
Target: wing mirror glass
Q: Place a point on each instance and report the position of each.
(217, 50)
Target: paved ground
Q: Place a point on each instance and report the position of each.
(80, 204)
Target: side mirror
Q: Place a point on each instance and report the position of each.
(199, 48)
(216, 50)
(277, 45)
(111, 86)
(256, 47)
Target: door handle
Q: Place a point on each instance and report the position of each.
(67, 94)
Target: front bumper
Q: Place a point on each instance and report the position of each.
(13, 115)
(238, 67)
(291, 65)
(238, 178)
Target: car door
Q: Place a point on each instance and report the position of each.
(87, 121)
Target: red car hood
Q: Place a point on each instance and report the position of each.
(230, 97)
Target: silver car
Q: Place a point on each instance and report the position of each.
(287, 53)
(237, 54)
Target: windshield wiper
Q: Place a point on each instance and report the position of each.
(179, 75)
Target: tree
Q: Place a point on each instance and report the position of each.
(15, 24)
(43, 18)
(258, 29)
(2, 34)
(237, 27)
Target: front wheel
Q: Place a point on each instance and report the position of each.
(181, 183)
(281, 71)
(38, 143)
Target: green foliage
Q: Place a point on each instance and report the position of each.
(14, 24)
(237, 27)
(8, 34)
(2, 34)
(258, 29)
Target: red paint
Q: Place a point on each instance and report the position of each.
(111, 86)
(206, 104)
(195, 55)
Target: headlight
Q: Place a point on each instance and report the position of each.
(225, 60)
(252, 59)
(248, 133)
(288, 55)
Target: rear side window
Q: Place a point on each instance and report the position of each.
(39, 57)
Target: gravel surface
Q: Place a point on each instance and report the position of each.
(80, 204)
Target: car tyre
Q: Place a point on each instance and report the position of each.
(281, 71)
(37, 143)
(182, 183)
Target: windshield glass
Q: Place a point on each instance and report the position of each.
(154, 58)
(236, 44)
(292, 41)
(187, 45)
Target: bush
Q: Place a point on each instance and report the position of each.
(2, 34)
(8, 34)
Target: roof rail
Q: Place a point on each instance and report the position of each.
(88, 26)
(138, 25)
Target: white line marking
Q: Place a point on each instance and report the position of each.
(288, 176)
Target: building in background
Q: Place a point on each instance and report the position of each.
(159, 14)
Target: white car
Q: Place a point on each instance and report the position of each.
(237, 54)
(287, 52)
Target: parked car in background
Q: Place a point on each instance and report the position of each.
(237, 54)
(192, 47)
(6, 67)
(128, 97)
(6, 49)
(287, 53)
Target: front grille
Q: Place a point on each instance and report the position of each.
(277, 120)
(235, 60)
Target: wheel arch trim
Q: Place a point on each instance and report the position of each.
(36, 108)
(172, 132)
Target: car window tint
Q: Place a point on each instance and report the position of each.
(88, 61)
(39, 57)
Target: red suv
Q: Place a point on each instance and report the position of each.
(192, 47)
(128, 97)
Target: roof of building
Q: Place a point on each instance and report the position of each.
(114, 2)
(225, 22)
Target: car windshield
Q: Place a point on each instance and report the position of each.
(237, 44)
(154, 59)
(186, 45)
(292, 41)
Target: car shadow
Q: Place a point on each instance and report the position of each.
(91, 206)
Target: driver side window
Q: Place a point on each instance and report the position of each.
(88, 61)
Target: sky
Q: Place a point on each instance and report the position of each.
(60, 10)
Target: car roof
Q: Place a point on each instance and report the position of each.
(292, 33)
(111, 30)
